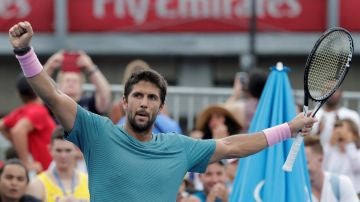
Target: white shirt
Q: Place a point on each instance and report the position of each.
(346, 163)
(347, 191)
(328, 120)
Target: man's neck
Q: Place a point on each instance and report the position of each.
(142, 137)
(318, 184)
(64, 174)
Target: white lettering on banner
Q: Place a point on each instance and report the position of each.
(163, 11)
(14, 8)
(138, 10)
(284, 8)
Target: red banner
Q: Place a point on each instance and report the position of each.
(178, 15)
(195, 15)
(39, 12)
(349, 11)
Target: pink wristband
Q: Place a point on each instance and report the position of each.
(30, 64)
(277, 133)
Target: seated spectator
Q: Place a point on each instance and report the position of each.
(342, 156)
(63, 182)
(29, 128)
(13, 182)
(326, 186)
(214, 180)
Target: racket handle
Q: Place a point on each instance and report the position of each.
(295, 147)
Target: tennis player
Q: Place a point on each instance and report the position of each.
(129, 163)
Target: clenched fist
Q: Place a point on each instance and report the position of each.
(20, 35)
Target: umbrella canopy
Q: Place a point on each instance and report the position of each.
(260, 177)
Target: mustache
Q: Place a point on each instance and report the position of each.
(142, 112)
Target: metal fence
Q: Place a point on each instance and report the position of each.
(184, 103)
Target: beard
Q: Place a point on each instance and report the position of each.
(141, 127)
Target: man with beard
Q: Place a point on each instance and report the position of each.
(130, 163)
(329, 114)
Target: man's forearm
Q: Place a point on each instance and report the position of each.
(245, 145)
(102, 91)
(61, 105)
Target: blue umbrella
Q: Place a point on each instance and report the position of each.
(260, 177)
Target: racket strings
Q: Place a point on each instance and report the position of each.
(328, 65)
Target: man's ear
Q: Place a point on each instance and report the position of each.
(124, 101)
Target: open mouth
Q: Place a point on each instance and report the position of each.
(142, 114)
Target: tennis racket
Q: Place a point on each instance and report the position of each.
(325, 70)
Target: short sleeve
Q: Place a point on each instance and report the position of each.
(87, 129)
(10, 120)
(198, 153)
(36, 117)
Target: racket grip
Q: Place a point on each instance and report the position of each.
(295, 147)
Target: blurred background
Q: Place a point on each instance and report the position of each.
(198, 45)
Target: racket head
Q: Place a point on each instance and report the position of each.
(328, 64)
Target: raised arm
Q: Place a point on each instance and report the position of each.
(102, 87)
(60, 104)
(242, 145)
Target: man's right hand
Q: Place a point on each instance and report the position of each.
(54, 62)
(20, 34)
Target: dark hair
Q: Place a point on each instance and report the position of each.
(257, 81)
(313, 142)
(233, 128)
(146, 75)
(24, 89)
(15, 162)
(11, 153)
(57, 134)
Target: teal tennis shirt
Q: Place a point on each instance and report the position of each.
(121, 168)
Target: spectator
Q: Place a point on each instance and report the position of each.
(63, 182)
(250, 90)
(342, 156)
(29, 128)
(326, 186)
(70, 78)
(130, 163)
(217, 121)
(13, 182)
(329, 114)
(214, 180)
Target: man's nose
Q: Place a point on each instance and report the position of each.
(144, 102)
